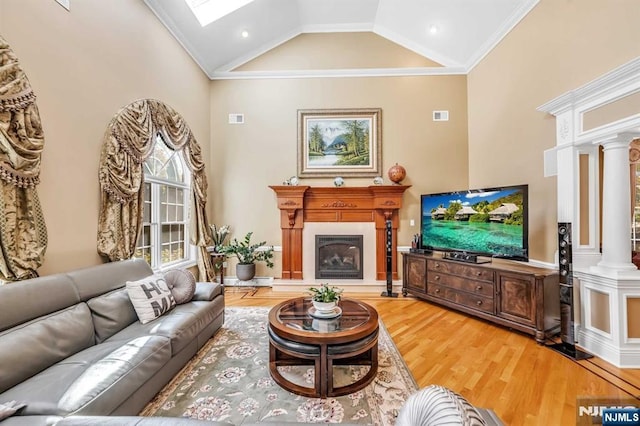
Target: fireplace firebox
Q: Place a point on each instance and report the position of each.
(339, 256)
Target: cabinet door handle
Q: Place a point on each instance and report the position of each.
(437, 290)
(478, 287)
(478, 273)
(479, 302)
(436, 265)
(437, 277)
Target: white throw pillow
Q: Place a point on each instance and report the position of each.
(150, 297)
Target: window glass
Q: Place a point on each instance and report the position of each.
(164, 233)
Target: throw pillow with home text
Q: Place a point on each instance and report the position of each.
(150, 297)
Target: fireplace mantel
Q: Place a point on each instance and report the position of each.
(300, 204)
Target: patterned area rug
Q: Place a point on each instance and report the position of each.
(228, 380)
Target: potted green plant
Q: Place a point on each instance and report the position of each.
(248, 254)
(324, 298)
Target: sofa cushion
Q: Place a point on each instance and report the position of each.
(438, 405)
(25, 300)
(100, 279)
(111, 313)
(150, 297)
(182, 284)
(181, 325)
(43, 342)
(94, 381)
(207, 291)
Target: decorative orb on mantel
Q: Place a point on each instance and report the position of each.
(397, 173)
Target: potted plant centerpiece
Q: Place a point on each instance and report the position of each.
(325, 298)
(248, 254)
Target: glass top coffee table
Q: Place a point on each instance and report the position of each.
(298, 336)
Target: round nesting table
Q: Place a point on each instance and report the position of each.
(298, 338)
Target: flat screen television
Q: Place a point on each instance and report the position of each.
(485, 222)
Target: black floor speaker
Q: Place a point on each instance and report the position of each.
(567, 346)
(389, 256)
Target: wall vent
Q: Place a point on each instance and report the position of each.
(236, 118)
(440, 115)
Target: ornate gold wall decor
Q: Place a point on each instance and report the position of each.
(128, 142)
(23, 233)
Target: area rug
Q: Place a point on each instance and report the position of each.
(228, 380)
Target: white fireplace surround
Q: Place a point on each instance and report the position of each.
(368, 232)
(367, 284)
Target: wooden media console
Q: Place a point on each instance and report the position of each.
(511, 294)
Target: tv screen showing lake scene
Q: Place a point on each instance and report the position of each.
(491, 222)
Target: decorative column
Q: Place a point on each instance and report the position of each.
(616, 205)
(291, 204)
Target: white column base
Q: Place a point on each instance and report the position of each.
(603, 347)
(608, 338)
(623, 271)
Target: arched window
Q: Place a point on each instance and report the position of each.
(164, 239)
(151, 174)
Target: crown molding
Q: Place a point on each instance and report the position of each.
(507, 26)
(177, 34)
(338, 73)
(254, 53)
(415, 47)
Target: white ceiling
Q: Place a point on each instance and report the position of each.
(467, 29)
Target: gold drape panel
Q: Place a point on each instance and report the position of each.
(127, 143)
(23, 233)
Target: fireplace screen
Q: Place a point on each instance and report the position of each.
(339, 256)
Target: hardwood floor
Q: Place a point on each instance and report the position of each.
(493, 367)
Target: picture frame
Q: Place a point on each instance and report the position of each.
(340, 142)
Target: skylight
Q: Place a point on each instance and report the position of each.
(207, 11)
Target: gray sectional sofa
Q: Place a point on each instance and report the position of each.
(74, 352)
(71, 344)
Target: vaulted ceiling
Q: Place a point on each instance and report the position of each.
(454, 33)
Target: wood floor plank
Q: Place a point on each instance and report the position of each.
(493, 367)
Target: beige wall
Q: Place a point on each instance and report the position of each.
(614, 111)
(633, 321)
(337, 50)
(559, 46)
(247, 158)
(84, 66)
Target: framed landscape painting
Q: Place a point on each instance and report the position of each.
(339, 142)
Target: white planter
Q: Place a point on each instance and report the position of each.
(324, 306)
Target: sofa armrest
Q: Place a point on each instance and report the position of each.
(207, 291)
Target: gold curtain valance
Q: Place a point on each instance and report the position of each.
(21, 135)
(128, 142)
(23, 233)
